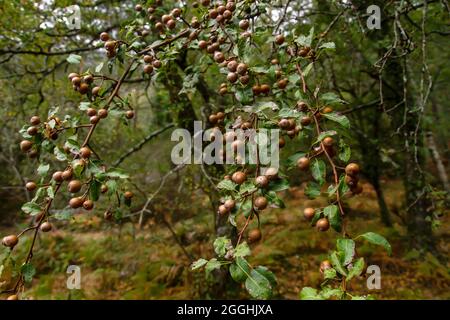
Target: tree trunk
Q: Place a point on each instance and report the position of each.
(437, 161)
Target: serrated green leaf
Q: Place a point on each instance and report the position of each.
(222, 245)
(331, 98)
(341, 119)
(312, 190)
(325, 134)
(318, 171)
(258, 286)
(308, 293)
(74, 59)
(28, 271)
(31, 208)
(377, 239)
(117, 173)
(240, 270)
(328, 45)
(244, 96)
(336, 262)
(99, 67)
(242, 250)
(42, 170)
(64, 214)
(357, 269)
(60, 154)
(308, 69)
(247, 187)
(278, 185)
(328, 292)
(51, 192)
(268, 274)
(329, 274)
(346, 249)
(334, 217)
(227, 185)
(84, 105)
(344, 151)
(198, 264)
(212, 265)
(94, 190)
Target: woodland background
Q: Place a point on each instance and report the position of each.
(395, 81)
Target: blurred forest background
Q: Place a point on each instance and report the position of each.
(396, 83)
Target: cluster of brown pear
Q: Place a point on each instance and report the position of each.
(221, 12)
(289, 126)
(82, 84)
(27, 145)
(260, 202)
(322, 224)
(151, 63)
(351, 179)
(216, 118)
(110, 45)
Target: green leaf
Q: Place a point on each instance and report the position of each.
(377, 239)
(264, 105)
(222, 245)
(274, 200)
(31, 208)
(333, 215)
(242, 250)
(227, 185)
(341, 119)
(64, 214)
(198, 264)
(328, 292)
(317, 216)
(244, 96)
(305, 41)
(328, 45)
(42, 170)
(258, 286)
(318, 170)
(279, 185)
(308, 69)
(240, 270)
(74, 59)
(288, 113)
(331, 98)
(336, 262)
(51, 192)
(94, 190)
(112, 186)
(325, 134)
(346, 249)
(247, 187)
(99, 67)
(268, 274)
(212, 265)
(60, 154)
(309, 293)
(72, 143)
(28, 271)
(53, 110)
(292, 160)
(357, 269)
(117, 173)
(344, 151)
(329, 274)
(84, 105)
(312, 190)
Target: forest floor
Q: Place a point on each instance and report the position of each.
(127, 263)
